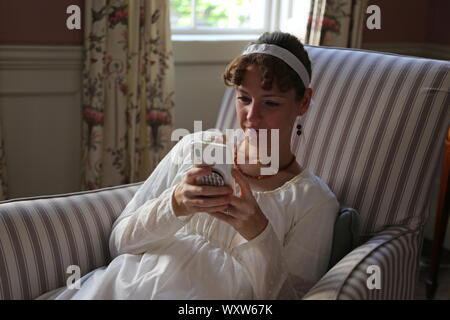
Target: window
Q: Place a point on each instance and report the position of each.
(220, 16)
(238, 17)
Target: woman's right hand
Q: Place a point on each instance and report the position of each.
(189, 197)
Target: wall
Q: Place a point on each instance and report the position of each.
(25, 22)
(411, 27)
(439, 26)
(401, 21)
(40, 80)
(40, 114)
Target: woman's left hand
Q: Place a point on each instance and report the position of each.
(244, 213)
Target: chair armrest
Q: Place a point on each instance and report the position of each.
(392, 254)
(41, 236)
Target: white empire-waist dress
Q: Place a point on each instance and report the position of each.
(160, 256)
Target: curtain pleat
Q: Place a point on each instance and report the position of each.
(336, 23)
(128, 90)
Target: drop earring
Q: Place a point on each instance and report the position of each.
(299, 129)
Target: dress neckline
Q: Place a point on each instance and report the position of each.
(294, 179)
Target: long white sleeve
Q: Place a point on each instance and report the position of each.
(150, 223)
(287, 270)
(149, 217)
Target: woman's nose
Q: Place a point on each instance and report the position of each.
(253, 113)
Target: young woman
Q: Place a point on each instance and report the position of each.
(177, 239)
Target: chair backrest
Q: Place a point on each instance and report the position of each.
(374, 133)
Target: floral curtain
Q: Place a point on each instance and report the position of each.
(337, 23)
(128, 90)
(3, 189)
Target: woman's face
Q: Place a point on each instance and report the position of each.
(268, 109)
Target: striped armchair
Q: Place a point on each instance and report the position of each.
(374, 134)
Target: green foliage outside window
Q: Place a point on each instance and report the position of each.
(212, 13)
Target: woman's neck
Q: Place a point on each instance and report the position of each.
(285, 157)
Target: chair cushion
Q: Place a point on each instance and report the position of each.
(346, 233)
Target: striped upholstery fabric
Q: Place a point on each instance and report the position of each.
(393, 250)
(41, 237)
(374, 134)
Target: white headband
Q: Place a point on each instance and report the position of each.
(283, 54)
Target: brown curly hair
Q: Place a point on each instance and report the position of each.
(272, 68)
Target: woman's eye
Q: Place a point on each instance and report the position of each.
(272, 104)
(244, 99)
